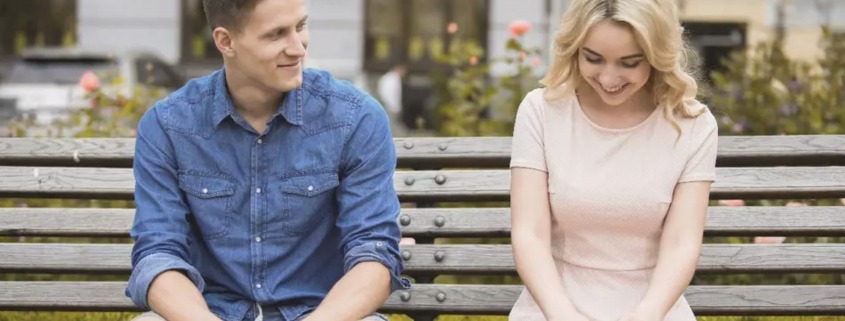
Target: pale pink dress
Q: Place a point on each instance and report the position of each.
(609, 190)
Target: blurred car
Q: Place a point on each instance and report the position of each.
(44, 83)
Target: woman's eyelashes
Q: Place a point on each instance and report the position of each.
(625, 64)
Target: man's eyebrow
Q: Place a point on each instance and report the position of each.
(593, 52)
(277, 29)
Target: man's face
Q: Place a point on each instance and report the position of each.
(270, 46)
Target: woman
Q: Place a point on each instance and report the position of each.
(611, 170)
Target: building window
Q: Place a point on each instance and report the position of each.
(414, 32)
(197, 43)
(714, 42)
(36, 23)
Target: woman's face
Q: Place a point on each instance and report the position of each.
(612, 62)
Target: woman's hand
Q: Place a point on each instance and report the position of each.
(642, 315)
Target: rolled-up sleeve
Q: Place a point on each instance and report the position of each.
(161, 229)
(368, 204)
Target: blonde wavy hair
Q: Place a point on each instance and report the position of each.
(658, 31)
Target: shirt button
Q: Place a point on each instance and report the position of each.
(258, 239)
(310, 188)
(205, 191)
(258, 190)
(258, 285)
(379, 244)
(260, 141)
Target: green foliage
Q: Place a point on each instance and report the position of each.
(109, 113)
(764, 92)
(470, 102)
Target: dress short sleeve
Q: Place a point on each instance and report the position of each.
(701, 164)
(527, 145)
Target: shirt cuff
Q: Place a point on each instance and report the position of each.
(377, 252)
(149, 268)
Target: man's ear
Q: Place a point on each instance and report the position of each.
(223, 41)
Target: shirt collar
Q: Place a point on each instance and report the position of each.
(290, 110)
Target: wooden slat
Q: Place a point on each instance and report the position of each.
(424, 186)
(457, 299)
(94, 183)
(87, 222)
(734, 151)
(721, 221)
(775, 221)
(794, 150)
(436, 152)
(705, 300)
(456, 222)
(454, 259)
(88, 152)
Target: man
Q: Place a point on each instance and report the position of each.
(390, 92)
(264, 192)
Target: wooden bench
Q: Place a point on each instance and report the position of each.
(435, 172)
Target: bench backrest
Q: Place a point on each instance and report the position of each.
(434, 172)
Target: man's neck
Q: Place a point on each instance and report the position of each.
(251, 99)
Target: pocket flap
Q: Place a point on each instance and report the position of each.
(310, 185)
(203, 186)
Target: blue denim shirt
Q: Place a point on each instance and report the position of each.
(273, 218)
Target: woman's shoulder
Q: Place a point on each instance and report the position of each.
(542, 98)
(699, 117)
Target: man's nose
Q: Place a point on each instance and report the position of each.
(296, 46)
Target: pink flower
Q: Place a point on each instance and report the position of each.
(795, 204)
(732, 202)
(452, 27)
(769, 239)
(89, 81)
(536, 61)
(519, 28)
(522, 55)
(133, 132)
(473, 60)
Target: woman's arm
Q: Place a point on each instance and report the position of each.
(531, 238)
(680, 247)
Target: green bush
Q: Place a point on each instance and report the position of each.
(764, 92)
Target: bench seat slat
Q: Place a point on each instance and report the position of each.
(435, 152)
(455, 259)
(457, 222)
(459, 299)
(432, 186)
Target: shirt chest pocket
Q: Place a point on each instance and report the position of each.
(307, 201)
(210, 201)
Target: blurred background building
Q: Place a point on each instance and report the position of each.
(360, 40)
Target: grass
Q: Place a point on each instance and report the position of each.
(82, 316)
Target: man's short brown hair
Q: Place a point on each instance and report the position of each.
(229, 14)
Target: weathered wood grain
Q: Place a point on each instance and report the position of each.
(432, 186)
(81, 222)
(66, 152)
(436, 152)
(456, 299)
(440, 259)
(442, 222)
